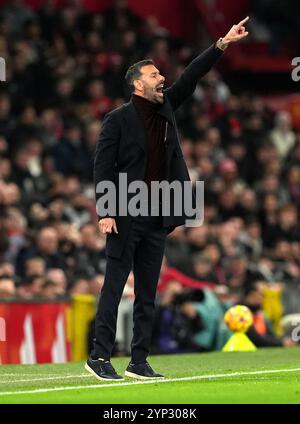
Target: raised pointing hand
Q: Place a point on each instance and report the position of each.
(237, 32)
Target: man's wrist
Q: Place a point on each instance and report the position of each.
(222, 44)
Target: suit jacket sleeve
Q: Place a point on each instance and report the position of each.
(106, 153)
(184, 87)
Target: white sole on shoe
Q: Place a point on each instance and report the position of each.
(91, 371)
(139, 377)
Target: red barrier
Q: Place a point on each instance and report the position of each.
(35, 333)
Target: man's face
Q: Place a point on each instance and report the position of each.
(150, 84)
(48, 240)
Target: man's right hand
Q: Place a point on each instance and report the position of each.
(108, 225)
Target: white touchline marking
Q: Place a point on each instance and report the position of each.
(170, 380)
(46, 378)
(13, 374)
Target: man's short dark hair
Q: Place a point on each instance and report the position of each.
(134, 72)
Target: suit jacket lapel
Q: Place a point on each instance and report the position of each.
(166, 110)
(135, 125)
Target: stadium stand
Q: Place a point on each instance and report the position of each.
(65, 71)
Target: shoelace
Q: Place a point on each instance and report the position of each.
(108, 366)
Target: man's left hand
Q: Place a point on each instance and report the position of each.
(237, 32)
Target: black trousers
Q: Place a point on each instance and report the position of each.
(143, 253)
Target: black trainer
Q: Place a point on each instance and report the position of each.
(102, 370)
(142, 371)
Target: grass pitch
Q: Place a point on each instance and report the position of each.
(265, 376)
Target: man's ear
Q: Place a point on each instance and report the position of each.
(138, 85)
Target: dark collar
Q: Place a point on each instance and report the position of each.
(142, 102)
(163, 109)
(135, 123)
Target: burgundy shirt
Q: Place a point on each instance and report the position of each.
(155, 126)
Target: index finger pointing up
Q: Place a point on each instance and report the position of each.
(243, 21)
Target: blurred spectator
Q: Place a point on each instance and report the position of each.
(32, 286)
(214, 253)
(279, 20)
(261, 333)
(35, 266)
(58, 280)
(70, 146)
(96, 284)
(80, 286)
(15, 15)
(203, 268)
(6, 120)
(90, 255)
(7, 287)
(176, 321)
(7, 269)
(51, 291)
(177, 252)
(287, 227)
(250, 240)
(282, 135)
(46, 247)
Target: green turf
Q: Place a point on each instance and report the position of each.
(281, 387)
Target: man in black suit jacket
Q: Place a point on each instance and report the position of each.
(140, 140)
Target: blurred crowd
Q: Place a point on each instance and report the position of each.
(65, 70)
(276, 22)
